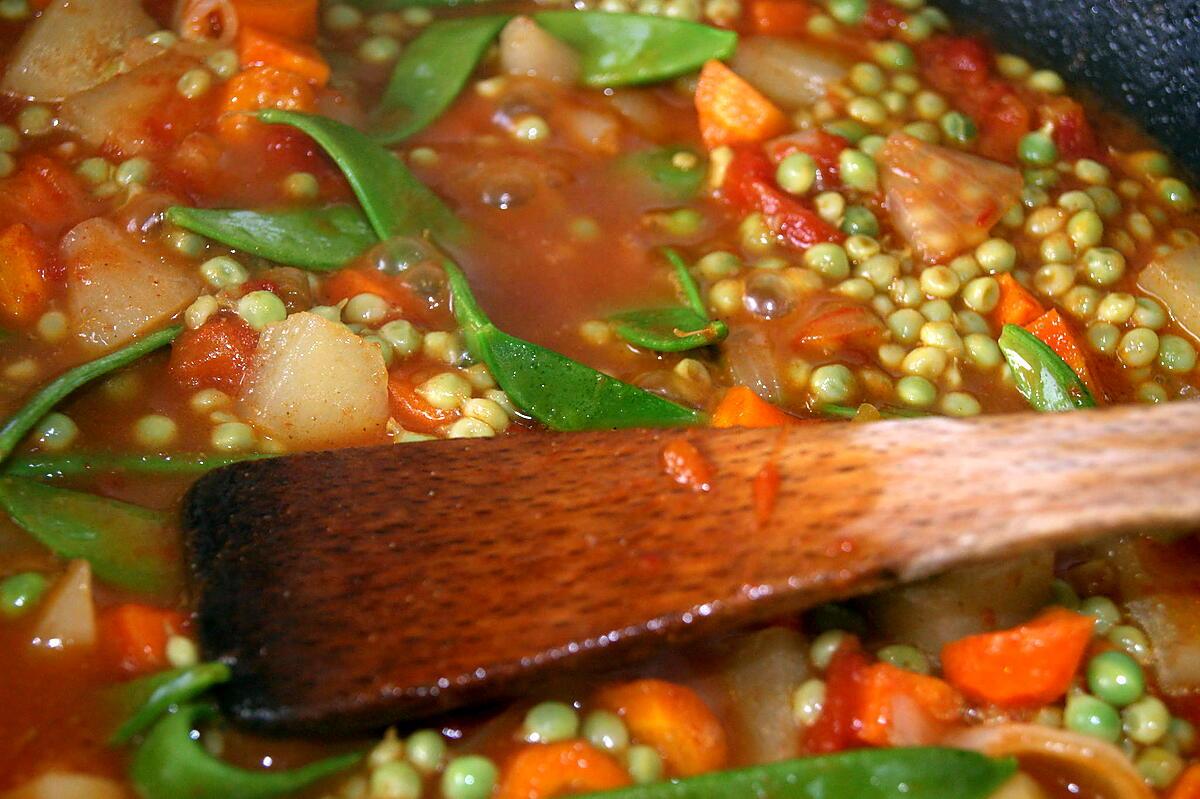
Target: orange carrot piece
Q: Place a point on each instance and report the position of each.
(779, 17)
(741, 407)
(884, 684)
(135, 636)
(686, 465)
(262, 87)
(1057, 333)
(24, 290)
(541, 771)
(1031, 664)
(295, 19)
(412, 411)
(218, 354)
(674, 720)
(1017, 306)
(1188, 784)
(732, 111)
(259, 48)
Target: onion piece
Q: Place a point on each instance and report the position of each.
(65, 785)
(762, 672)
(527, 49)
(1098, 768)
(207, 20)
(1174, 280)
(67, 617)
(1172, 623)
(790, 73)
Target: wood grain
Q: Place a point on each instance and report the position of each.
(356, 588)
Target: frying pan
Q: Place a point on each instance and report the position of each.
(1142, 56)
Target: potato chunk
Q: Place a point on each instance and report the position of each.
(119, 287)
(73, 46)
(315, 384)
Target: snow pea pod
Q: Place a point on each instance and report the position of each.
(127, 545)
(142, 701)
(1045, 380)
(560, 393)
(672, 329)
(673, 174)
(171, 764)
(627, 49)
(319, 239)
(431, 72)
(395, 202)
(20, 423)
(184, 464)
(914, 773)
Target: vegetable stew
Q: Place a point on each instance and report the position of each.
(234, 229)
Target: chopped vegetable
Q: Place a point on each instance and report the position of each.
(141, 702)
(732, 111)
(126, 545)
(1031, 664)
(260, 48)
(66, 617)
(762, 672)
(134, 636)
(49, 467)
(778, 18)
(542, 771)
(527, 49)
(674, 173)
(24, 290)
(1171, 621)
(902, 708)
(750, 184)
(1059, 336)
(1016, 305)
(1043, 378)
(252, 90)
(171, 763)
(741, 407)
(218, 354)
(672, 329)
(792, 74)
(837, 727)
(671, 718)
(1188, 784)
(319, 239)
(296, 19)
(1174, 280)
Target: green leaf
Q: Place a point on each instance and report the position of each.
(127, 545)
(660, 170)
(1044, 379)
(431, 72)
(560, 393)
(395, 202)
(914, 773)
(171, 764)
(319, 239)
(624, 49)
(49, 467)
(54, 392)
(140, 702)
(672, 329)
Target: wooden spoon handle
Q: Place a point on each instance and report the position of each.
(356, 588)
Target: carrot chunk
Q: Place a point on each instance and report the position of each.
(732, 111)
(741, 407)
(1058, 334)
(24, 290)
(541, 771)
(295, 19)
(259, 48)
(884, 686)
(674, 720)
(1031, 664)
(1016, 306)
(1188, 784)
(262, 87)
(135, 636)
(779, 17)
(218, 354)
(412, 411)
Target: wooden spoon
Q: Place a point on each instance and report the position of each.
(356, 588)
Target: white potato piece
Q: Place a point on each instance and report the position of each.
(119, 287)
(67, 616)
(1174, 280)
(790, 73)
(763, 671)
(66, 785)
(526, 49)
(315, 384)
(73, 46)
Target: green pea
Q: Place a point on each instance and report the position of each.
(1132, 640)
(1158, 766)
(1149, 314)
(848, 12)
(1104, 265)
(426, 750)
(996, 255)
(859, 221)
(1150, 163)
(808, 701)
(923, 131)
(1176, 354)
(851, 130)
(871, 145)
(718, 264)
(548, 722)
(903, 656)
(395, 780)
(365, 309)
(1085, 228)
(55, 432)
(469, 777)
(829, 260)
(261, 308)
(833, 383)
(1088, 715)
(894, 55)
(1182, 734)
(958, 127)
(1063, 595)
(1103, 337)
(1108, 204)
(35, 120)
(983, 350)
(867, 78)
(379, 50)
(1138, 347)
(223, 272)
(1037, 149)
(1116, 678)
(135, 171)
(1103, 610)
(301, 186)
(20, 592)
(1044, 178)
(797, 173)
(1146, 720)
(644, 764)
(605, 730)
(858, 170)
(1175, 193)
(824, 646)
(194, 83)
(94, 170)
(155, 431)
(1046, 80)
(233, 437)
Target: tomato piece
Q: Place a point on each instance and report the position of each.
(134, 636)
(749, 168)
(954, 63)
(838, 726)
(824, 147)
(45, 195)
(881, 19)
(779, 17)
(841, 324)
(218, 354)
(1070, 129)
(1002, 121)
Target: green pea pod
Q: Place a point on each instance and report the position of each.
(560, 393)
(660, 170)
(431, 72)
(914, 773)
(127, 545)
(141, 702)
(395, 202)
(672, 329)
(320, 239)
(171, 764)
(1044, 379)
(625, 49)
(54, 392)
(49, 467)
